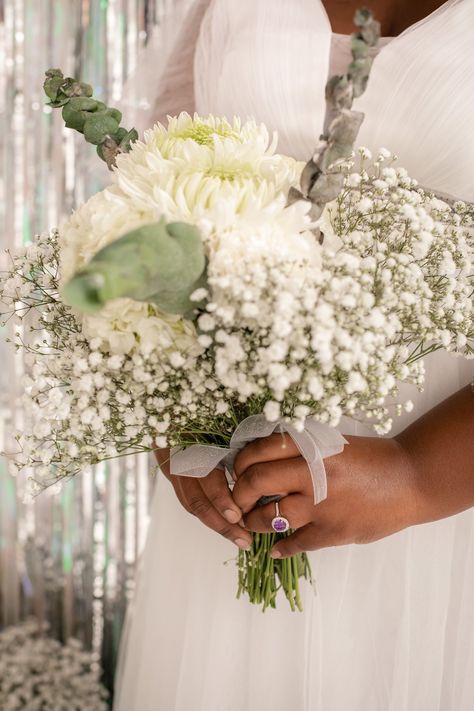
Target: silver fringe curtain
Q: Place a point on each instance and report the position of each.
(71, 558)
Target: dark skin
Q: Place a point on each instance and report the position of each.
(394, 16)
(375, 486)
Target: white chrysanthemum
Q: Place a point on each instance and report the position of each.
(223, 177)
(196, 170)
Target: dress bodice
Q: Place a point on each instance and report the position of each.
(270, 60)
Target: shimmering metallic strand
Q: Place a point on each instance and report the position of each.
(69, 558)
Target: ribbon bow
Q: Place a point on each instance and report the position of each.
(315, 442)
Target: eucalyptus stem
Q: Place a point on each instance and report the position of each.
(321, 180)
(99, 123)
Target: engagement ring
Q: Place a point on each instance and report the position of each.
(280, 524)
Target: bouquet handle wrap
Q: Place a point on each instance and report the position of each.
(315, 442)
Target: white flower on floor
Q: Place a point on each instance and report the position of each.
(38, 672)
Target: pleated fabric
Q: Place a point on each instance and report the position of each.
(391, 627)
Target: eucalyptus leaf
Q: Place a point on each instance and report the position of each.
(129, 138)
(77, 110)
(84, 103)
(74, 119)
(360, 49)
(98, 126)
(359, 71)
(363, 17)
(157, 263)
(73, 88)
(115, 113)
(120, 135)
(52, 86)
(52, 72)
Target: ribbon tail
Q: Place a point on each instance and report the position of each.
(197, 461)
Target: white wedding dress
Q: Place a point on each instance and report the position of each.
(392, 625)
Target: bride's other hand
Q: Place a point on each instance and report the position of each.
(209, 499)
(371, 492)
(375, 486)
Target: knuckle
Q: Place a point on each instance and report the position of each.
(255, 475)
(296, 547)
(198, 506)
(225, 531)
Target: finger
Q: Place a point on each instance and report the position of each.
(197, 503)
(280, 477)
(297, 509)
(266, 449)
(309, 538)
(217, 490)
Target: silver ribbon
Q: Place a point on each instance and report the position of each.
(315, 442)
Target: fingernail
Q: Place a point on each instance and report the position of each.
(232, 516)
(242, 543)
(275, 554)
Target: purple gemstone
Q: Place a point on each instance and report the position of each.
(280, 525)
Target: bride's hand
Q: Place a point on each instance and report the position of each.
(210, 500)
(375, 486)
(371, 492)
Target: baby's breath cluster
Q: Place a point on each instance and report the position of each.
(284, 325)
(38, 673)
(334, 333)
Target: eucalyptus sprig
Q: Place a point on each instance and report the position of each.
(99, 123)
(321, 180)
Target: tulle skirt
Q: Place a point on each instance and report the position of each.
(389, 626)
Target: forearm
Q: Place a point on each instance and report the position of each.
(440, 449)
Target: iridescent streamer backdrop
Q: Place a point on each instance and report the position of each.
(69, 558)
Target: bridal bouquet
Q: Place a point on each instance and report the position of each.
(201, 298)
(203, 288)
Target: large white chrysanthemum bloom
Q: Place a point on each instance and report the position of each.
(223, 177)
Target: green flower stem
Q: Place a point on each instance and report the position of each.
(260, 576)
